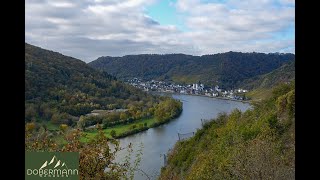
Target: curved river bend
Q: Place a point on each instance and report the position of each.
(157, 141)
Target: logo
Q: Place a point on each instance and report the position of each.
(52, 165)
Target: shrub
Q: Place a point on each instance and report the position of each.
(63, 127)
(113, 133)
(30, 126)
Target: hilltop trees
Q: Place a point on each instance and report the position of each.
(229, 69)
(60, 89)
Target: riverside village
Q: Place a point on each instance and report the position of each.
(191, 89)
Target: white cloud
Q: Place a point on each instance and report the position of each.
(217, 27)
(62, 4)
(288, 2)
(87, 29)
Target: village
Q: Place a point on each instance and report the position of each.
(191, 89)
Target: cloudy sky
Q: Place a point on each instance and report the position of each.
(88, 29)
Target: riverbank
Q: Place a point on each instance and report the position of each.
(158, 141)
(119, 129)
(223, 98)
(125, 130)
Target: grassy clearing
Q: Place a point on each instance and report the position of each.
(60, 139)
(259, 94)
(119, 129)
(90, 134)
(52, 126)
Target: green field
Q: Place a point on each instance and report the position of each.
(91, 133)
(119, 128)
(259, 94)
(51, 126)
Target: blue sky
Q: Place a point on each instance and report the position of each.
(165, 13)
(90, 29)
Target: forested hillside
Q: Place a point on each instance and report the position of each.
(61, 88)
(225, 69)
(285, 73)
(256, 144)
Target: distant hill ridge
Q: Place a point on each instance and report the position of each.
(228, 69)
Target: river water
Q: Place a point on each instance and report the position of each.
(157, 141)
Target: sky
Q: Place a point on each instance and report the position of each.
(88, 29)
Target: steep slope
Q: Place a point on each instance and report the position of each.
(226, 69)
(256, 144)
(285, 73)
(261, 86)
(61, 87)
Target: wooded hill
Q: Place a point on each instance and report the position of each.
(228, 70)
(61, 88)
(285, 73)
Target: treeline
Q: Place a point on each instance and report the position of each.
(60, 89)
(163, 112)
(228, 69)
(166, 110)
(256, 144)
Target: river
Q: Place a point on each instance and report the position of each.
(157, 141)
